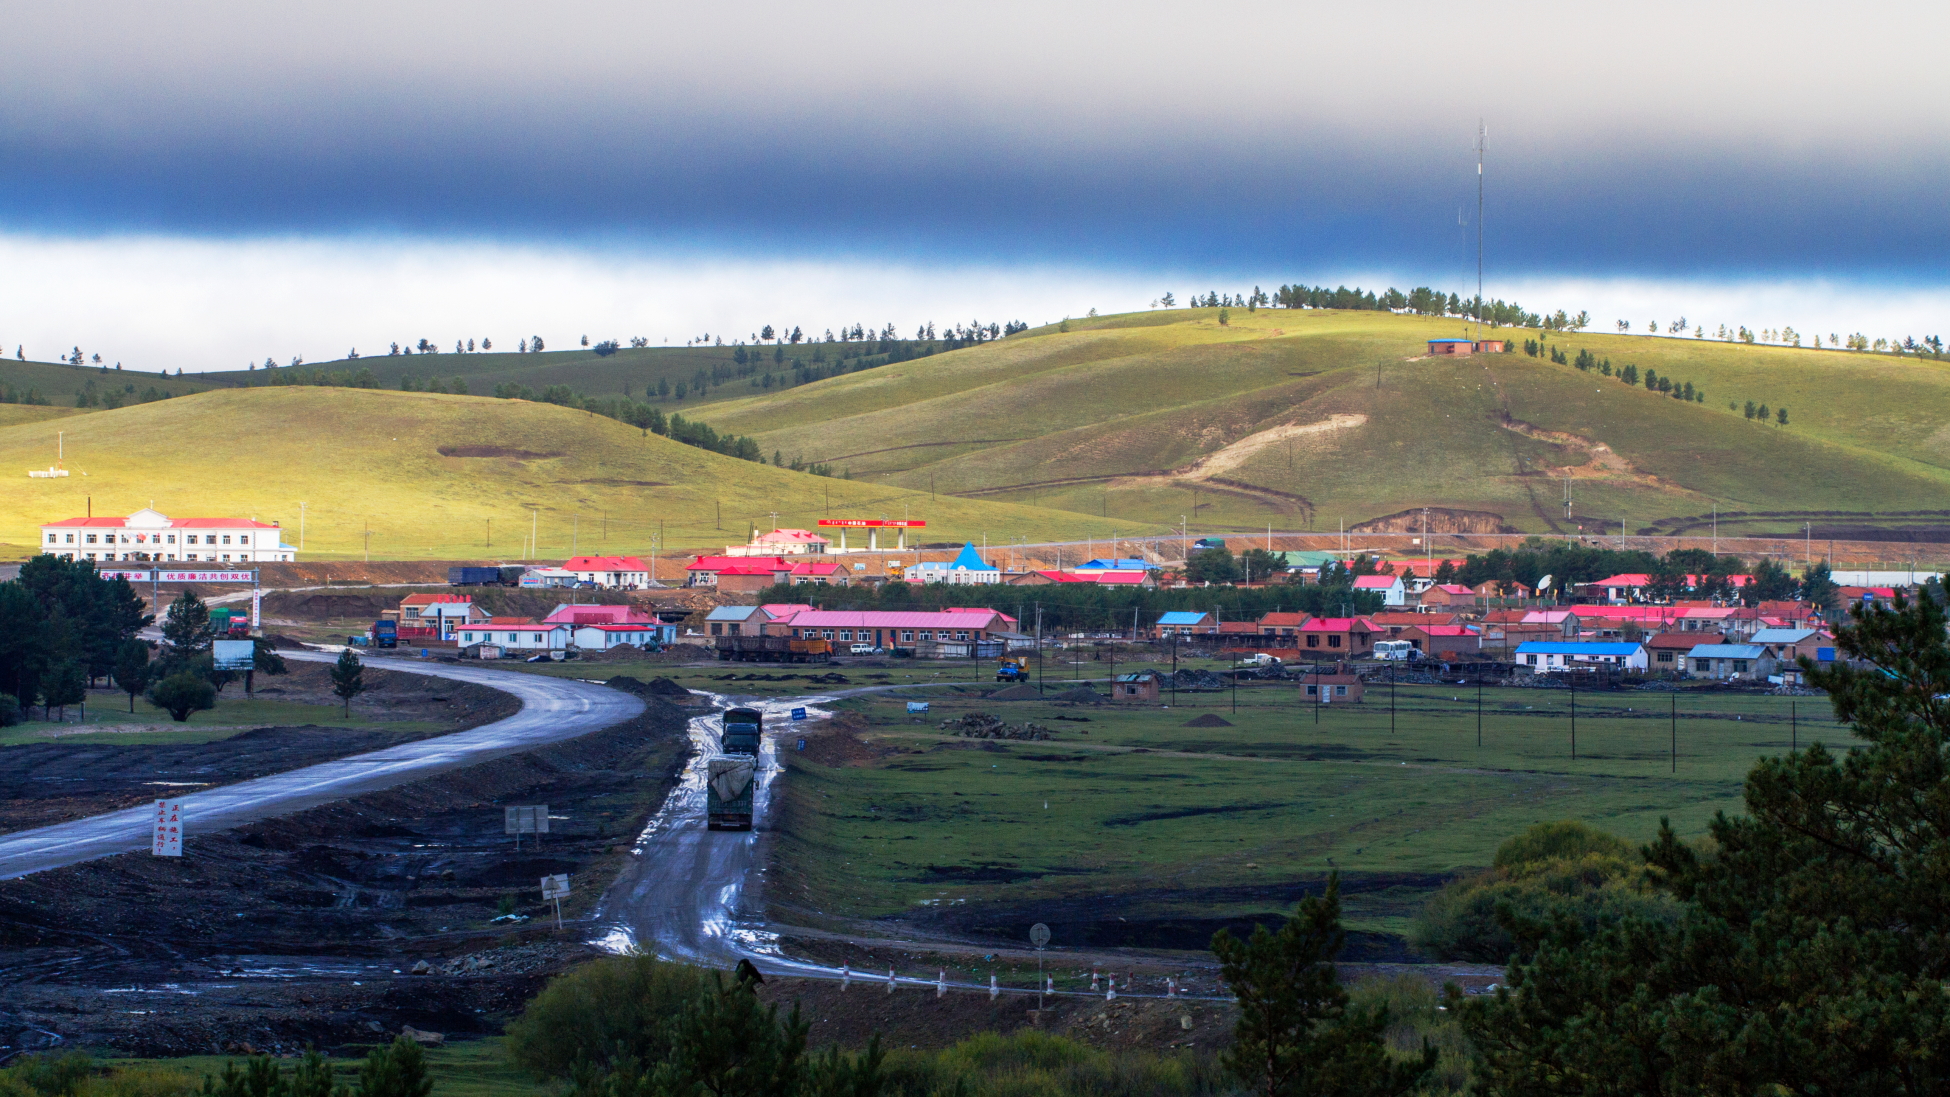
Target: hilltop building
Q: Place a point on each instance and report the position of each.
(152, 536)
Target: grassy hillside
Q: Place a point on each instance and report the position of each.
(631, 372)
(1305, 419)
(428, 473)
(59, 383)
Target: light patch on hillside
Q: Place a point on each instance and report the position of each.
(1238, 453)
(1602, 462)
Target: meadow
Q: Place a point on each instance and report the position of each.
(1307, 419)
(420, 475)
(1131, 800)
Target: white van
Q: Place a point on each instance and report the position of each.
(862, 649)
(1399, 650)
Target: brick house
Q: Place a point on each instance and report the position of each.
(1339, 636)
(1284, 625)
(1449, 594)
(1447, 642)
(1184, 623)
(1135, 689)
(1666, 651)
(1337, 687)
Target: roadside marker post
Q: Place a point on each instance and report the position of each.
(846, 977)
(890, 980)
(556, 888)
(995, 991)
(941, 983)
(1039, 937)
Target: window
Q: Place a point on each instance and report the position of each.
(1740, 666)
(226, 540)
(172, 539)
(1313, 641)
(1333, 641)
(50, 538)
(1530, 660)
(1312, 690)
(961, 635)
(1665, 657)
(1340, 691)
(907, 635)
(825, 634)
(91, 538)
(846, 634)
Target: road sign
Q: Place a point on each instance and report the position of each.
(798, 714)
(532, 819)
(555, 887)
(1039, 935)
(802, 744)
(917, 708)
(233, 654)
(169, 829)
(257, 608)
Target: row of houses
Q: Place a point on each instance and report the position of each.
(1769, 653)
(456, 619)
(956, 630)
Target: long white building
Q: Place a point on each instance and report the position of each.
(148, 535)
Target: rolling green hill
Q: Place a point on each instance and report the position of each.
(427, 474)
(59, 383)
(1306, 419)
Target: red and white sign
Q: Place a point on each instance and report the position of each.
(169, 829)
(206, 576)
(131, 576)
(870, 523)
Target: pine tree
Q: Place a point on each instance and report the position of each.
(348, 678)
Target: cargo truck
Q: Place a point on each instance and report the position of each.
(728, 786)
(773, 649)
(1012, 669)
(743, 728)
(384, 634)
(505, 576)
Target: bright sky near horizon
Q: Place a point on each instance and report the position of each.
(199, 183)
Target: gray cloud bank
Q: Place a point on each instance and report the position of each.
(1661, 138)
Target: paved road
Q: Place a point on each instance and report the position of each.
(553, 709)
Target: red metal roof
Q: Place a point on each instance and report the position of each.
(961, 619)
(1338, 624)
(1283, 620)
(174, 523)
(605, 563)
(432, 599)
(719, 563)
(1375, 582)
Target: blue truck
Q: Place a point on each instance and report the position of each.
(384, 634)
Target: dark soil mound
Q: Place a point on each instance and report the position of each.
(664, 687)
(1209, 720)
(1019, 692)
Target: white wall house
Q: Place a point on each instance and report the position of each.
(1393, 592)
(512, 638)
(150, 536)
(967, 568)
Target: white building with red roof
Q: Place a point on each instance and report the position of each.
(614, 572)
(782, 542)
(152, 536)
(1393, 592)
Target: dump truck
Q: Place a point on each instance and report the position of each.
(773, 649)
(729, 781)
(385, 634)
(229, 622)
(743, 728)
(1014, 668)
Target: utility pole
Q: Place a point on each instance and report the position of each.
(301, 526)
(1482, 145)
(490, 533)
(534, 529)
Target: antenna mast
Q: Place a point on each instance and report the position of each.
(1482, 144)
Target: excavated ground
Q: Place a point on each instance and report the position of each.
(307, 928)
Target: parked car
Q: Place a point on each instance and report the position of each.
(863, 649)
(1260, 659)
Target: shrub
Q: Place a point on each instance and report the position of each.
(183, 693)
(602, 1012)
(9, 710)
(1564, 868)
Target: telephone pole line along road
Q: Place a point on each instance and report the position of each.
(552, 710)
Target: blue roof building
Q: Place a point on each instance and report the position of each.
(1119, 563)
(967, 568)
(1548, 656)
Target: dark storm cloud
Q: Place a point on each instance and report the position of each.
(1671, 140)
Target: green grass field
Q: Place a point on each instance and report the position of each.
(1110, 418)
(427, 475)
(109, 716)
(1135, 800)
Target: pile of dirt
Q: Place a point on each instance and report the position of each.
(836, 747)
(1192, 681)
(659, 687)
(1081, 695)
(1209, 720)
(983, 725)
(1022, 691)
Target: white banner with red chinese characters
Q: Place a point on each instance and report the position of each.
(169, 829)
(206, 576)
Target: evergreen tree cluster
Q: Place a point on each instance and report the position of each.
(112, 397)
(296, 374)
(645, 417)
(61, 627)
(1571, 564)
(12, 395)
(456, 387)
(1094, 608)
(1627, 374)
(1421, 301)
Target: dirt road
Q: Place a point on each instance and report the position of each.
(553, 709)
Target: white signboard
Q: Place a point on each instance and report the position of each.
(211, 576)
(169, 829)
(532, 819)
(234, 654)
(131, 576)
(555, 887)
(257, 608)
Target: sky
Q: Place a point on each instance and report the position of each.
(194, 184)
